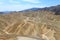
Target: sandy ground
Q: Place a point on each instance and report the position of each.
(26, 38)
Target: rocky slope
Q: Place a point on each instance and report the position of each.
(39, 24)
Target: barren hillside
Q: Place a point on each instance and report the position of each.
(43, 25)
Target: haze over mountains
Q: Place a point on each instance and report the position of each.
(55, 9)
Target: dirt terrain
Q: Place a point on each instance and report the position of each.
(36, 25)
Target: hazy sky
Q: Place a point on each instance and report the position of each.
(16, 5)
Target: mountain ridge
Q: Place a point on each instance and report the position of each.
(55, 9)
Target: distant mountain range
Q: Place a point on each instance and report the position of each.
(55, 9)
(1, 12)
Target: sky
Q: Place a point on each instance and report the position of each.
(18, 5)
